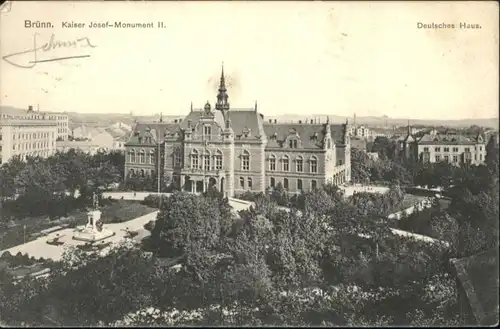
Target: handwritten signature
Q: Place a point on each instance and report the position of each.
(47, 48)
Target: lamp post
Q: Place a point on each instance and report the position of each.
(159, 170)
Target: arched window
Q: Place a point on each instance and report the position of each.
(177, 157)
(142, 156)
(272, 182)
(206, 161)
(194, 159)
(132, 155)
(218, 160)
(250, 183)
(314, 184)
(131, 173)
(142, 173)
(152, 157)
(242, 182)
(299, 164)
(286, 163)
(245, 160)
(285, 183)
(272, 162)
(299, 184)
(313, 164)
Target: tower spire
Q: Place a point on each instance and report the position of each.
(222, 103)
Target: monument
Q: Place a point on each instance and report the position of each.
(94, 229)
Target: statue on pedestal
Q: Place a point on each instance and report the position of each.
(94, 230)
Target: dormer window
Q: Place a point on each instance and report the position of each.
(274, 136)
(315, 136)
(292, 143)
(246, 132)
(207, 130)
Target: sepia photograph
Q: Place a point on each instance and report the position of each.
(249, 163)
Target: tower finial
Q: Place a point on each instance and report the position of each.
(255, 106)
(191, 108)
(161, 117)
(222, 103)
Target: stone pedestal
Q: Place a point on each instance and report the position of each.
(91, 232)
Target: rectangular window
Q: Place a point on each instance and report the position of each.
(194, 162)
(286, 166)
(206, 162)
(250, 183)
(272, 164)
(446, 149)
(437, 149)
(314, 166)
(446, 158)
(299, 184)
(480, 157)
(438, 158)
(300, 166)
(246, 163)
(426, 149)
(455, 158)
(467, 149)
(242, 182)
(313, 184)
(455, 149)
(285, 183)
(207, 130)
(218, 162)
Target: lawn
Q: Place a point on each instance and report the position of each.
(116, 212)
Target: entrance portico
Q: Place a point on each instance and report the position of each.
(196, 183)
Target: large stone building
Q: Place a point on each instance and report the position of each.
(434, 147)
(62, 121)
(26, 133)
(236, 150)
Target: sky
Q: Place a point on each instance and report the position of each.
(333, 58)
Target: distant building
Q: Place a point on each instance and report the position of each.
(360, 131)
(121, 126)
(85, 146)
(236, 151)
(434, 147)
(26, 133)
(62, 121)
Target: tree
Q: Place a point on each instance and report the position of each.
(360, 166)
(188, 219)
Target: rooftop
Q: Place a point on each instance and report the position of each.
(478, 275)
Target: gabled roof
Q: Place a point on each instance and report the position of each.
(446, 139)
(151, 129)
(311, 135)
(478, 275)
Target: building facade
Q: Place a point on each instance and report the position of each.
(433, 147)
(62, 121)
(235, 150)
(26, 133)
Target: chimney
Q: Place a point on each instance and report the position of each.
(30, 108)
(175, 120)
(312, 121)
(270, 120)
(300, 121)
(275, 121)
